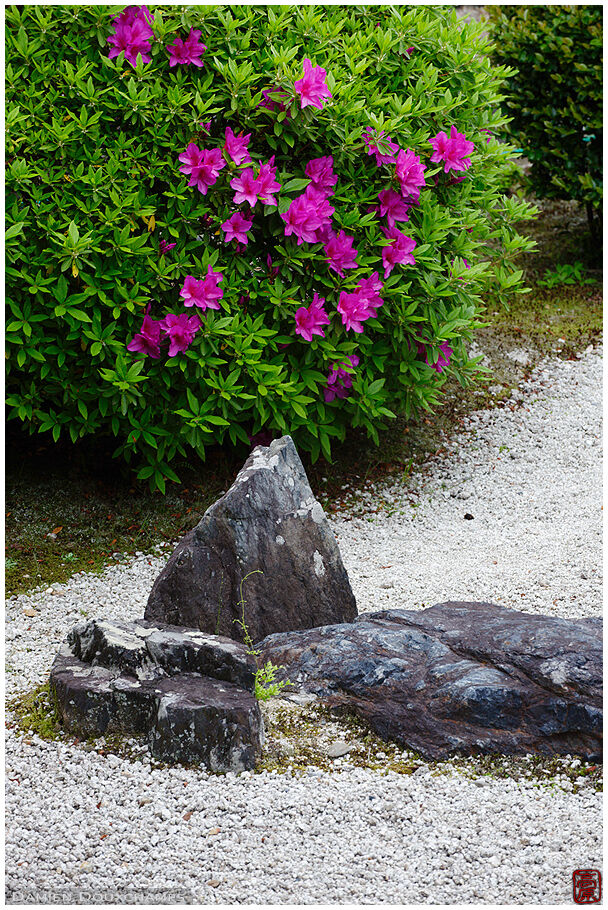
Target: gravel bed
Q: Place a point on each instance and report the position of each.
(89, 828)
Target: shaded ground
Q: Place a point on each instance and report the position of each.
(69, 508)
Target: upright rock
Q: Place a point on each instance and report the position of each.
(264, 553)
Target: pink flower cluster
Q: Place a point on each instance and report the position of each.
(188, 51)
(452, 150)
(236, 228)
(202, 166)
(311, 87)
(132, 34)
(237, 146)
(309, 320)
(180, 329)
(361, 304)
(309, 216)
(203, 292)
(410, 174)
(249, 188)
(340, 380)
(398, 251)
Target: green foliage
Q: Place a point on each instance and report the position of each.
(93, 184)
(555, 98)
(265, 685)
(565, 274)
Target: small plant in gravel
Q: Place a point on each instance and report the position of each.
(266, 686)
(227, 220)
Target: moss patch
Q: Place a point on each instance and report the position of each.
(35, 712)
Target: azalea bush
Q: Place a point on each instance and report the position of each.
(555, 97)
(230, 223)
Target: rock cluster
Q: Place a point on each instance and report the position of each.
(264, 553)
(458, 677)
(190, 693)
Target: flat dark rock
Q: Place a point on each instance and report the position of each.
(457, 678)
(263, 552)
(191, 693)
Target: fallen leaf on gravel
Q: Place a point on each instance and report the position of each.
(213, 831)
(29, 612)
(213, 883)
(187, 816)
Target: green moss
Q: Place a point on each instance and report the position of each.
(35, 711)
(294, 743)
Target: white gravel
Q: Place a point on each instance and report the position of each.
(83, 828)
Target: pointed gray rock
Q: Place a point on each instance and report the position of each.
(263, 552)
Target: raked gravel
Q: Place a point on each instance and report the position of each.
(87, 828)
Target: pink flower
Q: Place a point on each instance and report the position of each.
(267, 183)
(369, 290)
(307, 214)
(385, 152)
(311, 87)
(188, 51)
(236, 146)
(202, 166)
(203, 292)
(410, 173)
(309, 320)
(443, 359)
(340, 253)
(246, 186)
(362, 304)
(164, 247)
(339, 380)
(321, 173)
(393, 206)
(397, 252)
(236, 228)
(452, 150)
(131, 13)
(147, 340)
(324, 234)
(181, 329)
(133, 37)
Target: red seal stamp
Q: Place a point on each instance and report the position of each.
(587, 886)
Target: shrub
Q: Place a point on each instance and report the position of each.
(555, 98)
(327, 317)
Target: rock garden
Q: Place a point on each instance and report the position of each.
(347, 645)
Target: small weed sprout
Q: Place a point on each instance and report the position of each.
(265, 685)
